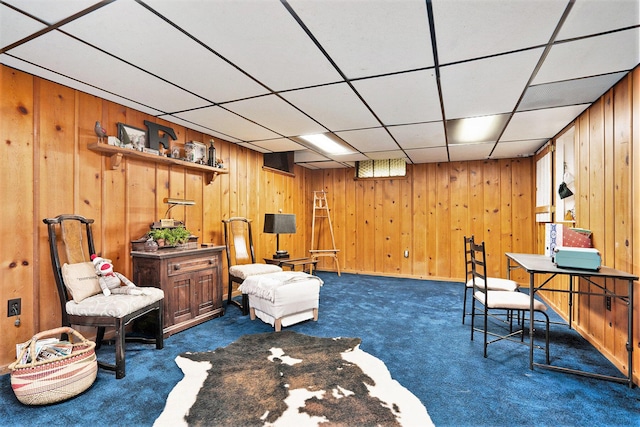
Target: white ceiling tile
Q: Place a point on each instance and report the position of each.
(593, 17)
(227, 123)
(199, 128)
(364, 38)
(277, 115)
(540, 124)
(52, 12)
(402, 98)
(568, 92)
(278, 145)
(15, 26)
(592, 56)
(356, 157)
(310, 166)
(197, 69)
(428, 155)
(261, 37)
(95, 68)
(376, 139)
(487, 86)
(308, 156)
(382, 155)
(472, 29)
(337, 106)
(419, 135)
(324, 165)
(63, 80)
(250, 146)
(460, 152)
(508, 150)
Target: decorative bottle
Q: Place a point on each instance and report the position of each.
(212, 154)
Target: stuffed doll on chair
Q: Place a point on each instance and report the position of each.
(112, 282)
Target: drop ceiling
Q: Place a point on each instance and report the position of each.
(388, 77)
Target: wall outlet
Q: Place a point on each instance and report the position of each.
(14, 307)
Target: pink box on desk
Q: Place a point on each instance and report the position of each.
(557, 235)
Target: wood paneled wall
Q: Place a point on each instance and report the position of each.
(607, 153)
(427, 213)
(48, 170)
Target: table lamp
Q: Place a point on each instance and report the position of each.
(168, 222)
(279, 224)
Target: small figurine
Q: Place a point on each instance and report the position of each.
(100, 131)
(112, 282)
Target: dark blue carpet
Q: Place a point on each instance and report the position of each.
(414, 326)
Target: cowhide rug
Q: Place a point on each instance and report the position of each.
(289, 379)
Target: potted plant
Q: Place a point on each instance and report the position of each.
(170, 236)
(180, 235)
(159, 235)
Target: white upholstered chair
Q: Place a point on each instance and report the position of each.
(241, 259)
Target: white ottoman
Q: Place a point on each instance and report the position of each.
(283, 298)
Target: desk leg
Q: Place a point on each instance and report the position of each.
(570, 301)
(532, 295)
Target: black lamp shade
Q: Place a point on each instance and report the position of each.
(279, 223)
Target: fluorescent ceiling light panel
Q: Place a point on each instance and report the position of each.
(475, 130)
(326, 144)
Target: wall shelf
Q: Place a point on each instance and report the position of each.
(117, 153)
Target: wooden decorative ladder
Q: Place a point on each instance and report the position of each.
(321, 211)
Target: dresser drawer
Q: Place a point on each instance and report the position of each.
(188, 265)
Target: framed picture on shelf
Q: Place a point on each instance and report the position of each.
(196, 152)
(132, 137)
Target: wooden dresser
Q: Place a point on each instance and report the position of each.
(191, 280)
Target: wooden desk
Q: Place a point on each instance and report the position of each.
(191, 280)
(307, 264)
(542, 265)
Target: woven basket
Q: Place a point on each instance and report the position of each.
(54, 380)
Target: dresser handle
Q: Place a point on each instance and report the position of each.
(176, 266)
(212, 261)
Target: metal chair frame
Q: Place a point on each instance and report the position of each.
(479, 271)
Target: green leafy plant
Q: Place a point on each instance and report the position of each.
(178, 235)
(157, 233)
(171, 236)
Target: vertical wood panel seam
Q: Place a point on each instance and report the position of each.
(36, 203)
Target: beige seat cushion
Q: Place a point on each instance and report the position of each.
(509, 300)
(114, 305)
(245, 270)
(495, 284)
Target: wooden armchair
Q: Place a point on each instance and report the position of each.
(241, 258)
(71, 245)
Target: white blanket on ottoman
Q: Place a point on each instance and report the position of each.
(264, 285)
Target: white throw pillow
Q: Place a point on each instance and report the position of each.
(81, 280)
